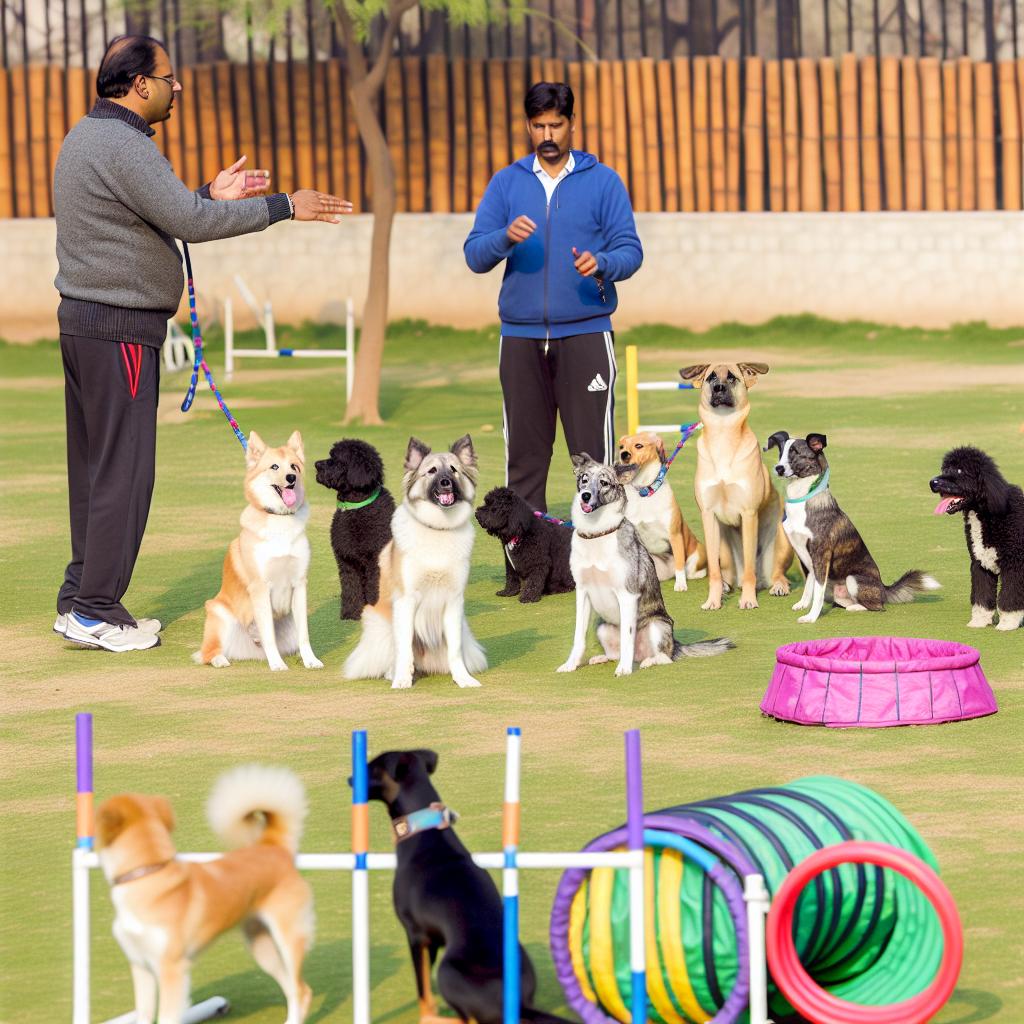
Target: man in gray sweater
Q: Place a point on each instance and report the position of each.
(119, 208)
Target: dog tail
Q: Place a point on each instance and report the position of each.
(909, 584)
(255, 803)
(703, 648)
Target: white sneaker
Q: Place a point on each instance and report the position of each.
(60, 625)
(107, 636)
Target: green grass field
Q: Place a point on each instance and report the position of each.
(891, 402)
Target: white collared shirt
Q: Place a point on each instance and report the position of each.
(549, 183)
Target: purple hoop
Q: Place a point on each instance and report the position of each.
(727, 881)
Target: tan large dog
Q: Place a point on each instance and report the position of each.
(168, 911)
(419, 622)
(738, 503)
(656, 514)
(260, 611)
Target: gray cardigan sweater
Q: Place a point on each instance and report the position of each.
(119, 208)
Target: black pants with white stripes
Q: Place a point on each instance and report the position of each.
(573, 377)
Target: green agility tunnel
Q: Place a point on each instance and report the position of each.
(865, 935)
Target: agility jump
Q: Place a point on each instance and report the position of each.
(633, 388)
(695, 879)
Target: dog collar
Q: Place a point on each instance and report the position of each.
(435, 816)
(146, 869)
(819, 485)
(349, 506)
(594, 536)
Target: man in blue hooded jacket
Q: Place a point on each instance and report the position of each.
(563, 224)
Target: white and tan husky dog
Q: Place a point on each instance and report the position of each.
(419, 622)
(260, 611)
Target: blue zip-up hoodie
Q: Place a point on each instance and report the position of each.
(542, 294)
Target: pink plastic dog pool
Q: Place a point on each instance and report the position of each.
(877, 681)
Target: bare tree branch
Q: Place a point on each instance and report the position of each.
(396, 9)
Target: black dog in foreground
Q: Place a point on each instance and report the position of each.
(362, 524)
(443, 899)
(536, 552)
(993, 508)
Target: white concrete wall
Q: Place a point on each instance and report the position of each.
(926, 269)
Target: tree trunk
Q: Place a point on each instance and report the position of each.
(365, 404)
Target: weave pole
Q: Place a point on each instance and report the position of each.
(80, 868)
(510, 877)
(635, 841)
(360, 881)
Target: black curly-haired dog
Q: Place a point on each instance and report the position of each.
(362, 524)
(536, 552)
(993, 508)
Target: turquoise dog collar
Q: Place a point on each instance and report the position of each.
(435, 816)
(819, 485)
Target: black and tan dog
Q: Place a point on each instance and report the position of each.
(993, 508)
(444, 900)
(832, 552)
(536, 552)
(362, 522)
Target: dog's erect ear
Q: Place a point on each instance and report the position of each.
(295, 443)
(750, 372)
(625, 471)
(579, 460)
(254, 449)
(817, 442)
(777, 440)
(464, 451)
(408, 758)
(415, 454)
(429, 758)
(997, 492)
(695, 373)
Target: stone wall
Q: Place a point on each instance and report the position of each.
(925, 269)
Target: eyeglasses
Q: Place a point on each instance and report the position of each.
(169, 79)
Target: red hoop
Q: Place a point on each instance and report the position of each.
(820, 1006)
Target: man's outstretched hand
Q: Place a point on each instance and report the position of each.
(586, 263)
(236, 183)
(312, 205)
(520, 229)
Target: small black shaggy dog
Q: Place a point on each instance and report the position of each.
(536, 552)
(993, 510)
(362, 525)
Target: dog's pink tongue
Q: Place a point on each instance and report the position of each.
(288, 496)
(943, 505)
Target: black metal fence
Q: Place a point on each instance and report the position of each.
(74, 32)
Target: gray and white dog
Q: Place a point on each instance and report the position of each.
(615, 576)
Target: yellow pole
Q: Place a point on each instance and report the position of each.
(632, 392)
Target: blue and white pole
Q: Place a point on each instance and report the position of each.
(360, 881)
(510, 878)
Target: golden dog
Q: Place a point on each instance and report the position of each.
(657, 516)
(167, 911)
(737, 500)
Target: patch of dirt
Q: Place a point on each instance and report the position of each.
(33, 383)
(885, 379)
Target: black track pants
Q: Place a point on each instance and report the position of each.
(110, 398)
(573, 377)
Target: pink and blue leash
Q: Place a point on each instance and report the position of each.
(197, 344)
(687, 430)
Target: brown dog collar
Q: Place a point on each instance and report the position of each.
(434, 816)
(141, 872)
(594, 536)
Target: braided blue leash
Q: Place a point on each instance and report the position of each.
(687, 430)
(197, 344)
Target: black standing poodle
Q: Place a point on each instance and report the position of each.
(993, 508)
(362, 524)
(536, 552)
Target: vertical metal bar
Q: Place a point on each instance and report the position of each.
(799, 27)
(780, 48)
(635, 839)
(828, 28)
(85, 33)
(360, 881)
(753, 26)
(902, 8)
(3, 28)
(1013, 13)
(510, 879)
(945, 28)
(990, 30)
(103, 22)
(922, 30)
(177, 35)
(714, 26)
(642, 11)
(849, 26)
(876, 28)
(965, 45)
(28, 114)
(599, 26)
(618, 27)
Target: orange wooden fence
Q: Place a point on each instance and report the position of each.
(707, 134)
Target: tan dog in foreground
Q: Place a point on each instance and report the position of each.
(167, 911)
(260, 611)
(737, 500)
(657, 516)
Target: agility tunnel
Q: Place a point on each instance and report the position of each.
(862, 935)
